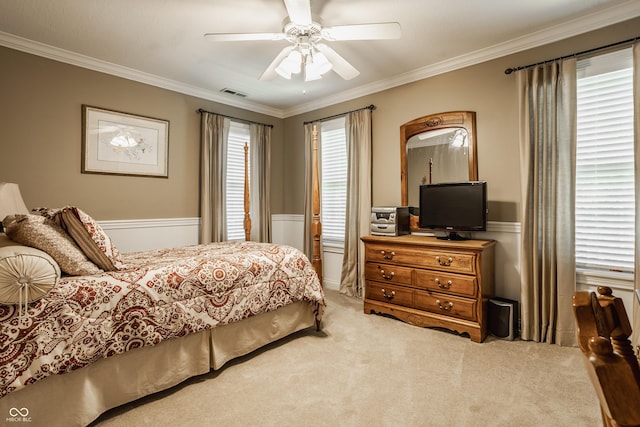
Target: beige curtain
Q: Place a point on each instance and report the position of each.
(636, 140)
(358, 212)
(260, 182)
(214, 133)
(547, 108)
(308, 190)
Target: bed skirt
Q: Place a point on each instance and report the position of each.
(79, 397)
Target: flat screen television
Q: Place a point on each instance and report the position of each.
(454, 207)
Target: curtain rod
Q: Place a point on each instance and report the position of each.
(200, 110)
(368, 107)
(584, 52)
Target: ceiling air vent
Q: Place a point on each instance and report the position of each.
(233, 92)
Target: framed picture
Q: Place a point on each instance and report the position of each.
(124, 144)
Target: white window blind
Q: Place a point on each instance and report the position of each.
(238, 136)
(334, 180)
(604, 163)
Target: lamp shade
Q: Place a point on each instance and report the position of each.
(11, 200)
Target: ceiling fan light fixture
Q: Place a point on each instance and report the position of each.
(321, 62)
(310, 73)
(291, 64)
(316, 65)
(283, 71)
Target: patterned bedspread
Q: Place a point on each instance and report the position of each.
(163, 294)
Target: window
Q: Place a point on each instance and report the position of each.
(604, 164)
(238, 136)
(334, 181)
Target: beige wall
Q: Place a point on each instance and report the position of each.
(483, 88)
(40, 119)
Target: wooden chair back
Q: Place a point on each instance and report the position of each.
(603, 337)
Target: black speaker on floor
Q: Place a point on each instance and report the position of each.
(503, 318)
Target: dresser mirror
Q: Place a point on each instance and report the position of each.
(437, 148)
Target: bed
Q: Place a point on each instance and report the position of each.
(90, 342)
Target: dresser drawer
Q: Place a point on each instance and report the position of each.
(448, 261)
(444, 282)
(377, 252)
(389, 293)
(446, 304)
(419, 257)
(388, 273)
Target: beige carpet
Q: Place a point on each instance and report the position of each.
(370, 370)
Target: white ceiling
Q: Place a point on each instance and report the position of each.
(161, 41)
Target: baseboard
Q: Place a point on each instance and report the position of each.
(330, 284)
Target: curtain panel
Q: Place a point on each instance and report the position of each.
(636, 145)
(358, 209)
(547, 116)
(308, 186)
(214, 134)
(260, 184)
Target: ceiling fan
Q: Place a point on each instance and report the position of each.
(306, 53)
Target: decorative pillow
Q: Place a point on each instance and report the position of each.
(44, 234)
(100, 238)
(71, 223)
(26, 274)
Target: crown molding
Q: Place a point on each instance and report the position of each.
(590, 22)
(577, 26)
(61, 55)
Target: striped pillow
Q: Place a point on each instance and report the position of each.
(71, 223)
(112, 259)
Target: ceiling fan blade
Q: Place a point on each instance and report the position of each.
(270, 72)
(233, 37)
(379, 31)
(299, 11)
(340, 65)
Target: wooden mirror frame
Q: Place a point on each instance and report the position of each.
(452, 119)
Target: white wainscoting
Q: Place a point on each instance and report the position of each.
(145, 234)
(288, 229)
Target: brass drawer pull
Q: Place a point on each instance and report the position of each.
(446, 307)
(387, 276)
(446, 263)
(443, 285)
(387, 256)
(388, 296)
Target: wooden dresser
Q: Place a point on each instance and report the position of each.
(425, 281)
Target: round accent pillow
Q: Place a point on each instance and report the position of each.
(26, 274)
